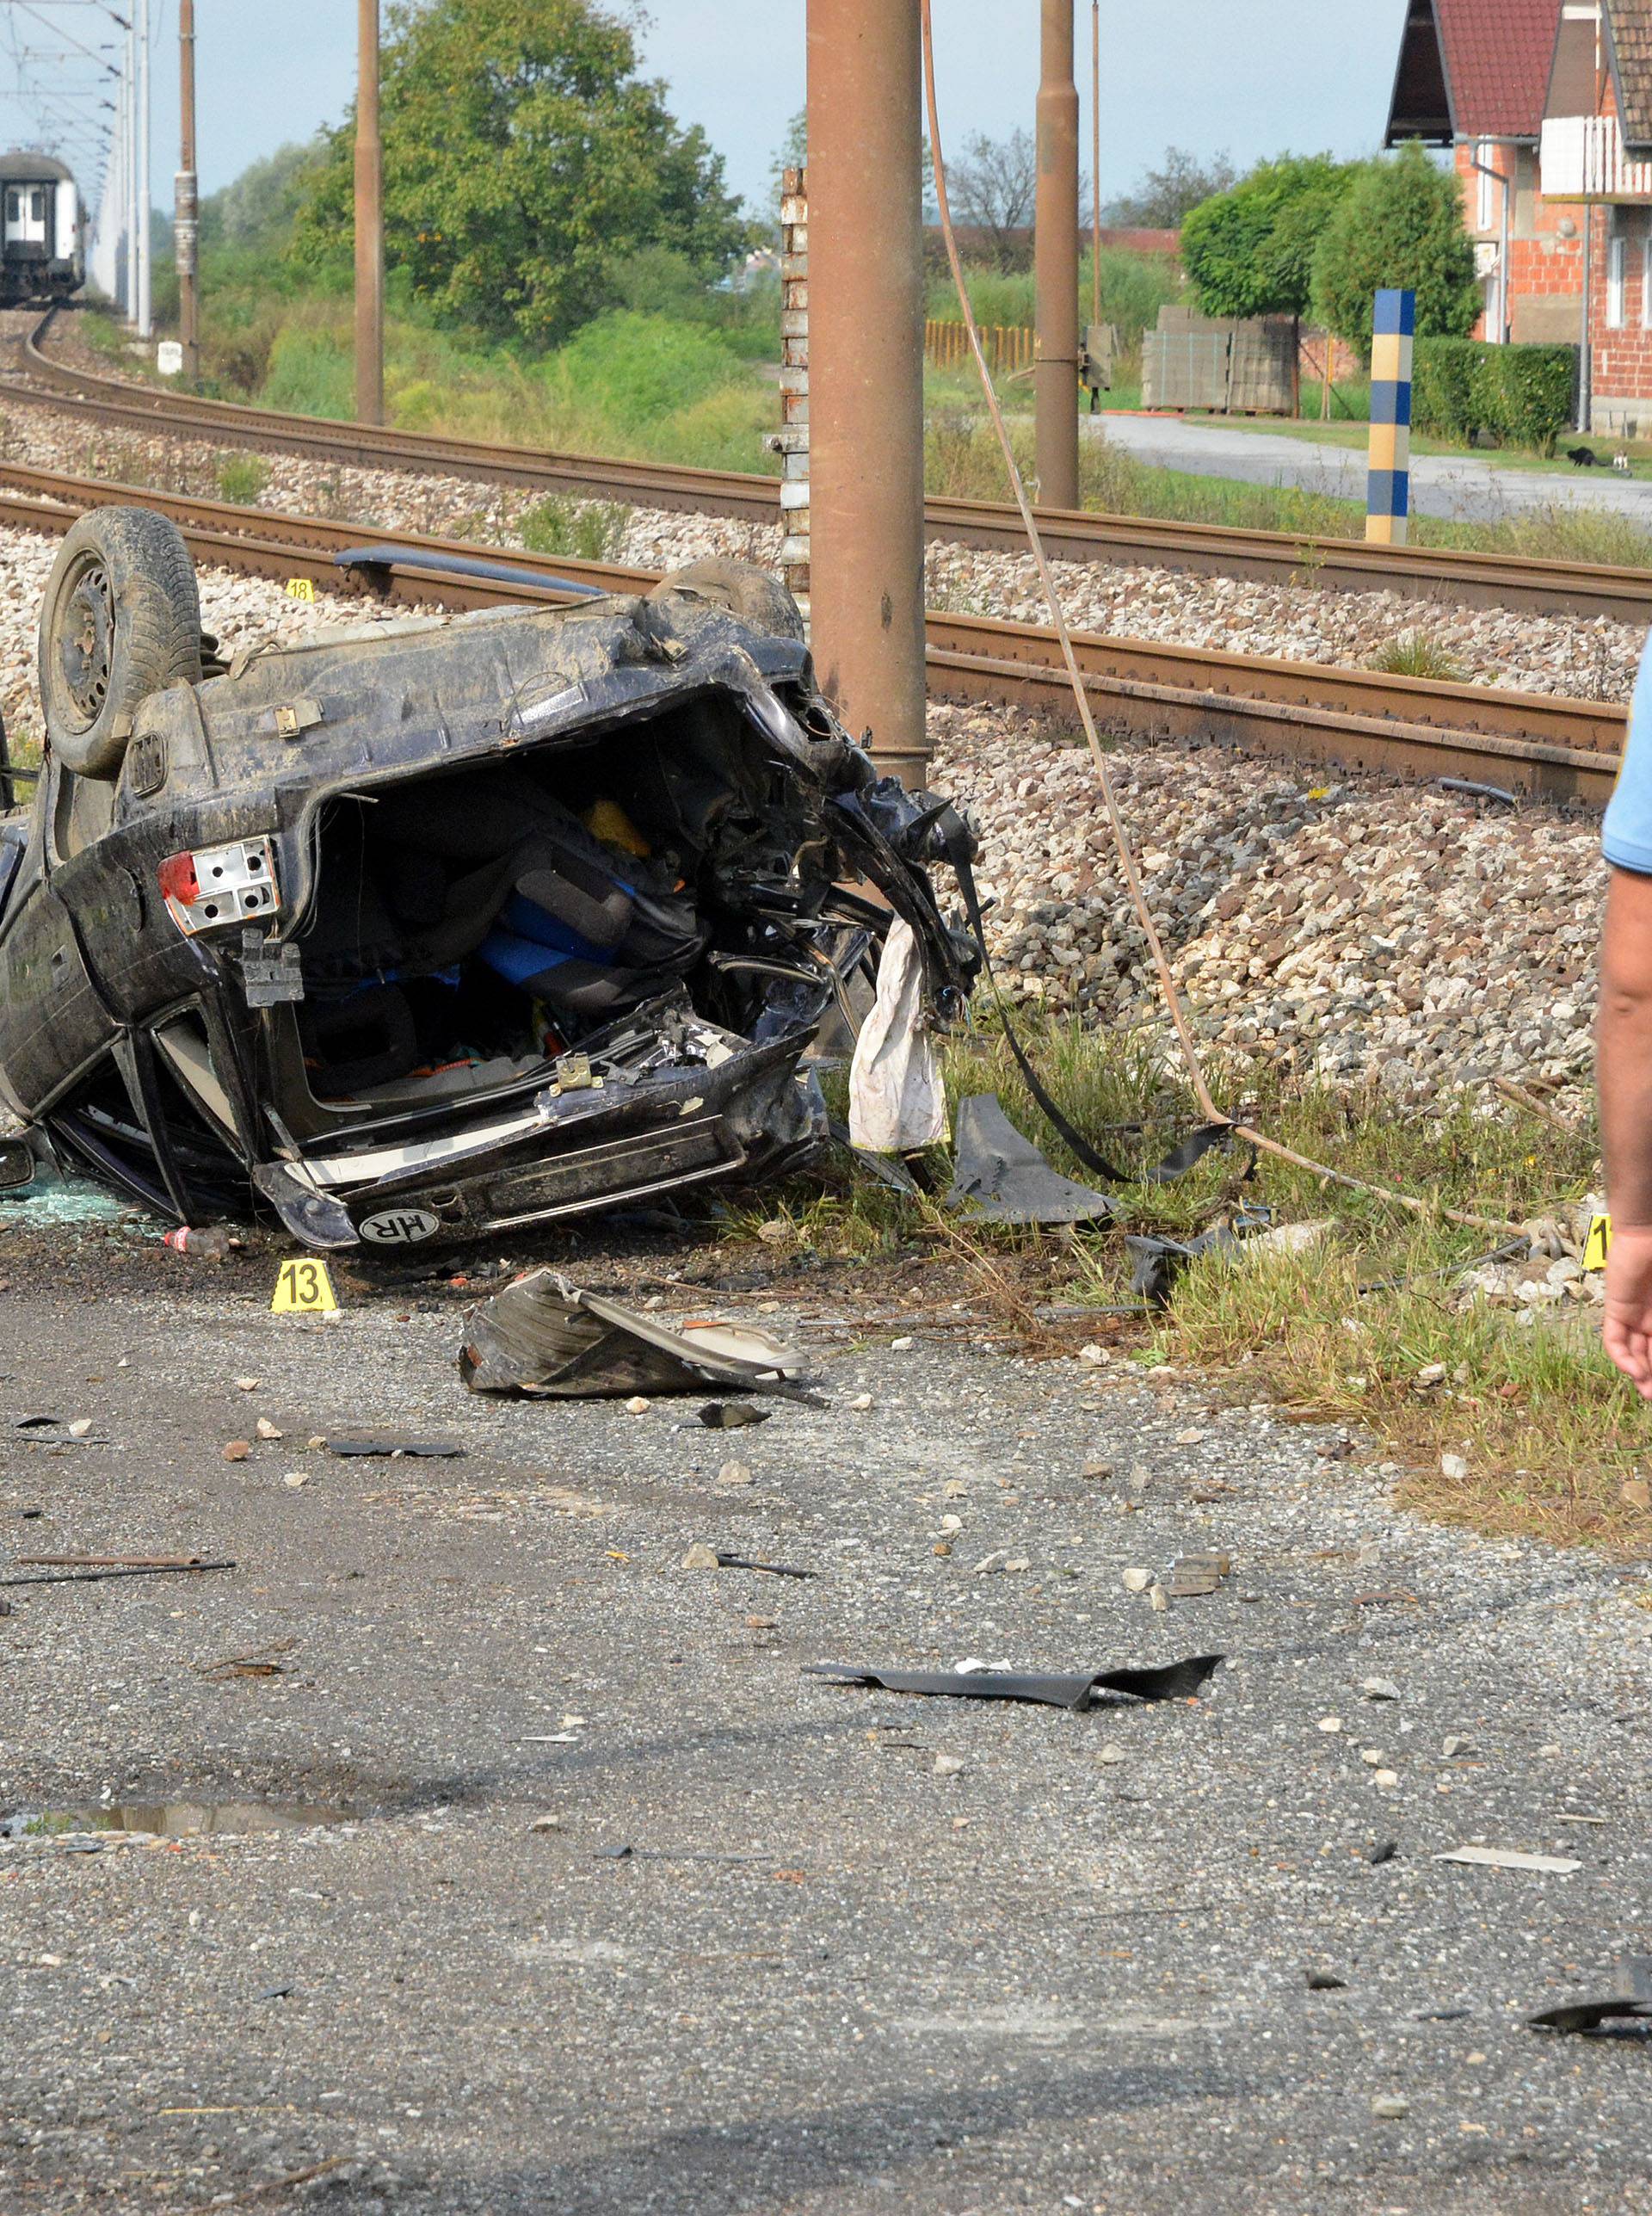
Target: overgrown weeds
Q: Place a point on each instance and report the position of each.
(1416, 654)
(586, 530)
(1547, 1430)
(241, 477)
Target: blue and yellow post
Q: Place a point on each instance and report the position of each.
(1388, 484)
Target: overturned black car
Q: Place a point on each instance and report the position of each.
(442, 926)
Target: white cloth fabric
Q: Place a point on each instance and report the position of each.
(897, 1100)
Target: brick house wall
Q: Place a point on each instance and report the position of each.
(1620, 328)
(1545, 247)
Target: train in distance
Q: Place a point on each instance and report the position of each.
(42, 229)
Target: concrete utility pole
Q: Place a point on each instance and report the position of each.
(369, 223)
(1056, 251)
(127, 246)
(145, 320)
(866, 370)
(185, 225)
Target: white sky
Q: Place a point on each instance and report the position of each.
(1252, 77)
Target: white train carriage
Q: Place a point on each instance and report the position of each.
(42, 229)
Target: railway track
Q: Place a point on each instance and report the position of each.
(1422, 574)
(1562, 749)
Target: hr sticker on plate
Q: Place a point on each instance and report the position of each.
(400, 1227)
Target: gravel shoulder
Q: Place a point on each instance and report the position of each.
(956, 1956)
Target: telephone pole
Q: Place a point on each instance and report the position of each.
(369, 223)
(865, 371)
(1055, 390)
(140, 26)
(186, 227)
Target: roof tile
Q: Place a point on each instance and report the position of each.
(1497, 59)
(1631, 26)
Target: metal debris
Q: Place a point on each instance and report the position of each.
(1632, 1999)
(999, 1177)
(350, 1444)
(1193, 1575)
(548, 1339)
(1172, 1680)
(1511, 1858)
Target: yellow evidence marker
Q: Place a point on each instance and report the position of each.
(300, 588)
(303, 1288)
(1598, 1240)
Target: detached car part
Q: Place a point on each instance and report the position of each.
(550, 1340)
(1170, 1681)
(444, 926)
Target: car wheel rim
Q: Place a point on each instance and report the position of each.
(86, 641)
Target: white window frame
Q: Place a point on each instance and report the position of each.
(1483, 215)
(1617, 268)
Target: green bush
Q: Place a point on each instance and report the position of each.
(1250, 251)
(1539, 386)
(1450, 399)
(1523, 395)
(1399, 224)
(1134, 288)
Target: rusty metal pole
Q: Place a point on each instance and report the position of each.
(865, 371)
(185, 224)
(1056, 249)
(369, 223)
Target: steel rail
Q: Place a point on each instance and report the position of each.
(1429, 575)
(1564, 749)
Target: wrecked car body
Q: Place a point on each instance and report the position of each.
(445, 926)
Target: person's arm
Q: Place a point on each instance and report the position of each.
(1624, 1076)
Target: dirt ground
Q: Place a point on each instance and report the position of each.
(865, 1952)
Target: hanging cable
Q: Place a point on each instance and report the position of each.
(1127, 863)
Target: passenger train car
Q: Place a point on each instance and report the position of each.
(42, 229)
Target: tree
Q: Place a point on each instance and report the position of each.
(523, 159)
(1163, 196)
(1399, 224)
(1250, 251)
(993, 185)
(257, 208)
(791, 153)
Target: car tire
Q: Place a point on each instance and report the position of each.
(120, 620)
(754, 594)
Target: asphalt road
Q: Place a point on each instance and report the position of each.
(867, 1953)
(1441, 484)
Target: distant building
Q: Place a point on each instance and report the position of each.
(1597, 151)
(1475, 76)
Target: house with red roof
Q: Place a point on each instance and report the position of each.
(1477, 76)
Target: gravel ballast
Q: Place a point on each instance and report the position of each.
(1349, 926)
(1586, 657)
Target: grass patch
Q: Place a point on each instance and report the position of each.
(241, 477)
(589, 530)
(1548, 1430)
(961, 459)
(1414, 654)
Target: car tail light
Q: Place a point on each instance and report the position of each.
(211, 886)
(178, 880)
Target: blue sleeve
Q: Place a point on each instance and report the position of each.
(1626, 835)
